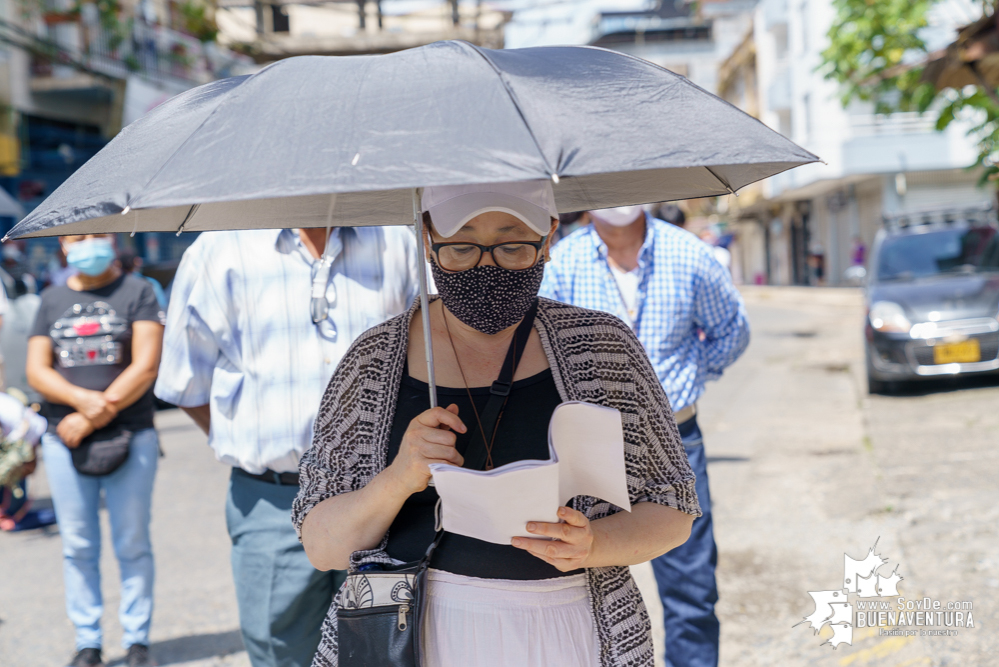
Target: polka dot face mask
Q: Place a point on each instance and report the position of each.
(488, 298)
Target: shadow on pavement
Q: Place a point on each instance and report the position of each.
(942, 385)
(194, 647)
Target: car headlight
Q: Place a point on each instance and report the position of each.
(889, 317)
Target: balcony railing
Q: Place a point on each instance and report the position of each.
(133, 46)
(871, 125)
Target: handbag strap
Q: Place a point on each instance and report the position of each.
(476, 454)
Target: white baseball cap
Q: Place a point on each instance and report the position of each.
(451, 206)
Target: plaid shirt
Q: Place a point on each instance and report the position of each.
(240, 337)
(682, 289)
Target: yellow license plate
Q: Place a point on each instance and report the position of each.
(965, 352)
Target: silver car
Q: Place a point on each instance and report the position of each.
(933, 299)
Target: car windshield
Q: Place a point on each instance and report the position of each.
(933, 253)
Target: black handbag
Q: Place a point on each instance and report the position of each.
(380, 611)
(103, 451)
(379, 614)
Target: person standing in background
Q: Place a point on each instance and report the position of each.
(666, 284)
(257, 323)
(672, 214)
(132, 263)
(16, 266)
(22, 430)
(858, 254)
(93, 355)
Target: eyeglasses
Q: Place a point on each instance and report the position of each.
(515, 256)
(319, 306)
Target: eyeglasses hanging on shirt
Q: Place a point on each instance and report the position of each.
(323, 290)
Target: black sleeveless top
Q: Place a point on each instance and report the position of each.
(522, 434)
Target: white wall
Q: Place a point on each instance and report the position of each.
(799, 102)
(699, 60)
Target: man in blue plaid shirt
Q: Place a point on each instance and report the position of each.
(665, 283)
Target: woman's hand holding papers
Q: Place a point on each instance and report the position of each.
(571, 543)
(358, 520)
(429, 439)
(626, 538)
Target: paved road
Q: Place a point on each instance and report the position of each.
(804, 467)
(195, 620)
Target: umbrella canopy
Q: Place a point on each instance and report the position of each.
(312, 141)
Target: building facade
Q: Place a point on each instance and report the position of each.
(812, 224)
(275, 29)
(73, 74)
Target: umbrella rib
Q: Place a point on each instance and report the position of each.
(516, 105)
(243, 79)
(722, 181)
(190, 214)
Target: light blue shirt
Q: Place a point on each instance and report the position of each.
(240, 337)
(682, 290)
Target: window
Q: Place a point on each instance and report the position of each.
(280, 20)
(951, 251)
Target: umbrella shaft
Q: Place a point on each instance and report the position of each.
(421, 265)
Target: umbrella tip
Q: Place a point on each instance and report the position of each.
(4, 239)
(126, 210)
(357, 156)
(555, 178)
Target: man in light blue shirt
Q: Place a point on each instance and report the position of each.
(666, 284)
(258, 321)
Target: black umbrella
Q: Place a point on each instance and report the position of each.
(316, 141)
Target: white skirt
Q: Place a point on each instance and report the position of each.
(472, 622)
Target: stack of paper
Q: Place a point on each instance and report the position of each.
(586, 448)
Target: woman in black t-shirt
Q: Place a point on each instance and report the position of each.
(93, 355)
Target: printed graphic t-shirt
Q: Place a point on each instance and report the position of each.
(91, 334)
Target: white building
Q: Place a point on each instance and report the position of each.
(814, 215)
(276, 29)
(691, 40)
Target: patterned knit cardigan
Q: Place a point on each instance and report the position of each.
(594, 357)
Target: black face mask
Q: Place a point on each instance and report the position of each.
(488, 298)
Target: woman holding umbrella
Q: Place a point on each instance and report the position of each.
(565, 597)
(437, 115)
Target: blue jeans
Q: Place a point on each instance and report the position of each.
(282, 599)
(128, 493)
(686, 576)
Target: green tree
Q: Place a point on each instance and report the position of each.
(877, 54)
(199, 19)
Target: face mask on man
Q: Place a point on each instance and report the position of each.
(621, 216)
(91, 257)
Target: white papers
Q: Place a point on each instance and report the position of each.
(586, 448)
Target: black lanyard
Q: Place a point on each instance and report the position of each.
(479, 449)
